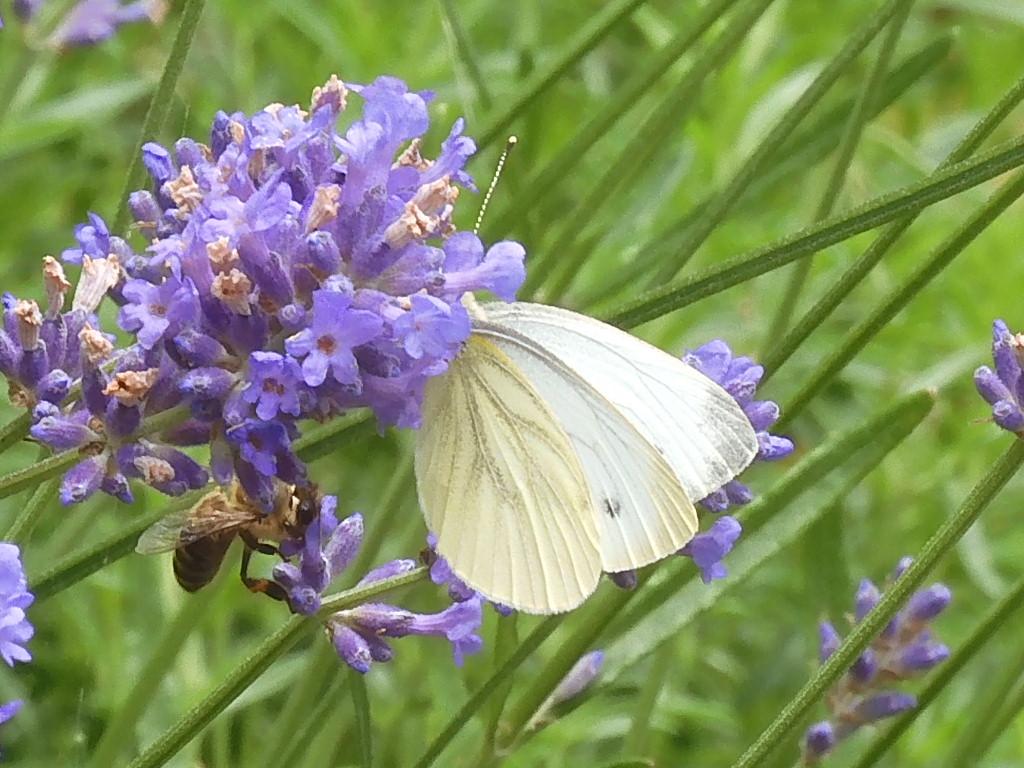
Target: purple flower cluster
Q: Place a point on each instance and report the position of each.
(905, 649)
(739, 376)
(1003, 388)
(89, 22)
(293, 272)
(15, 629)
(360, 634)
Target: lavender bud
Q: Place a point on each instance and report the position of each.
(867, 598)
(829, 641)
(928, 603)
(387, 571)
(883, 705)
(582, 675)
(624, 579)
(864, 668)
(351, 646)
(82, 480)
(54, 386)
(819, 740)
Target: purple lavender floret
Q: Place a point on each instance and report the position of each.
(708, 549)
(1003, 386)
(905, 649)
(291, 272)
(92, 21)
(359, 633)
(15, 598)
(739, 376)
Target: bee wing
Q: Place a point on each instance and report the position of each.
(212, 515)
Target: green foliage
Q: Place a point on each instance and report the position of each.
(672, 158)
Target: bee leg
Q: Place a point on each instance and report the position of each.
(260, 546)
(267, 587)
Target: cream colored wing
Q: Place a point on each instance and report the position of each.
(643, 513)
(695, 424)
(502, 488)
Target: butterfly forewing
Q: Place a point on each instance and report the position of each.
(696, 425)
(642, 512)
(502, 487)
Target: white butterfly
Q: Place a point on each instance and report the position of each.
(557, 447)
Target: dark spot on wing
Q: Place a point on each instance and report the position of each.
(612, 508)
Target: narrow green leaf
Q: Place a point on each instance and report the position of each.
(741, 180)
(638, 738)
(15, 430)
(160, 104)
(599, 27)
(847, 146)
(203, 713)
(464, 52)
(506, 640)
(941, 542)
(121, 726)
(42, 470)
(71, 112)
(554, 261)
(881, 210)
(311, 723)
(803, 151)
(670, 602)
(631, 763)
(364, 726)
(494, 683)
(851, 278)
(612, 613)
(28, 515)
(334, 435)
(857, 338)
(998, 726)
(947, 672)
(542, 183)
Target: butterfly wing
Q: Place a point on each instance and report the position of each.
(692, 422)
(502, 488)
(642, 512)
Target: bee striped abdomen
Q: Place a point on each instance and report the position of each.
(196, 564)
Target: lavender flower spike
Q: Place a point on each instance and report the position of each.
(15, 629)
(1003, 387)
(904, 649)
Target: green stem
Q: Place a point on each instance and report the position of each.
(794, 159)
(203, 713)
(857, 271)
(160, 104)
(28, 516)
(121, 726)
(15, 430)
(881, 210)
(453, 25)
(892, 600)
(947, 672)
(636, 742)
(561, 264)
(364, 726)
(777, 135)
(599, 27)
(494, 683)
(999, 724)
(506, 640)
(620, 102)
(847, 147)
(899, 297)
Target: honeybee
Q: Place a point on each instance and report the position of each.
(200, 536)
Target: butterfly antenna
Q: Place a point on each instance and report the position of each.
(511, 142)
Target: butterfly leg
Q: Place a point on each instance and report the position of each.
(267, 587)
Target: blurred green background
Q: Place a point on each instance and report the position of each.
(69, 123)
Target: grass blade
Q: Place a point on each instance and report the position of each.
(881, 210)
(464, 52)
(589, 37)
(898, 298)
(947, 672)
(15, 430)
(160, 104)
(857, 271)
(545, 181)
(203, 713)
(121, 726)
(612, 607)
(742, 179)
(847, 146)
(803, 151)
(493, 684)
(649, 138)
(892, 600)
(364, 728)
